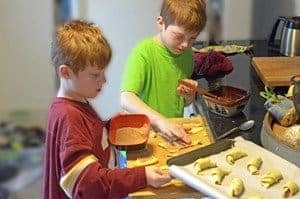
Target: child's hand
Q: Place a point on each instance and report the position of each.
(173, 130)
(156, 177)
(186, 92)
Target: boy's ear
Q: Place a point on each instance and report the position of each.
(160, 23)
(64, 71)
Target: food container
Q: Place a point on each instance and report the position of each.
(228, 101)
(279, 140)
(129, 132)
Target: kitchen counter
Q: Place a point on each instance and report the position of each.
(245, 77)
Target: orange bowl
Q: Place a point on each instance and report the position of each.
(129, 132)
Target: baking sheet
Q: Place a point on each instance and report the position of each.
(252, 185)
(226, 49)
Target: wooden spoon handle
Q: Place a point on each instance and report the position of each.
(198, 89)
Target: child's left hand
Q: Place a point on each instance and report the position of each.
(186, 92)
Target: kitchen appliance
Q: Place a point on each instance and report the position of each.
(290, 35)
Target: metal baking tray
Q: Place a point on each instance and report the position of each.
(192, 156)
(181, 167)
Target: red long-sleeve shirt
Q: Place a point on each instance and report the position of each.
(76, 156)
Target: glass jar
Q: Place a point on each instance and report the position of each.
(296, 92)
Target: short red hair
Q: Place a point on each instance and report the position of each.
(79, 44)
(189, 14)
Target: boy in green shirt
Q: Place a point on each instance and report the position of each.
(154, 67)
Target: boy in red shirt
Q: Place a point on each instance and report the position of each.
(78, 159)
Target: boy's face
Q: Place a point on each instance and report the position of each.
(87, 83)
(176, 39)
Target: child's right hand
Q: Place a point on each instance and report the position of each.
(156, 177)
(173, 130)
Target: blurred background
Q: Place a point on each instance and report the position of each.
(28, 81)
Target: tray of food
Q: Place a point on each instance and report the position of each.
(237, 168)
(226, 49)
(158, 150)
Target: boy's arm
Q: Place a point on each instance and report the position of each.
(96, 181)
(132, 103)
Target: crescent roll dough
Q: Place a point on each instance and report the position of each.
(253, 165)
(236, 187)
(150, 161)
(290, 189)
(234, 154)
(270, 178)
(256, 197)
(202, 164)
(218, 174)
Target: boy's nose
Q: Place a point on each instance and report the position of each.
(103, 79)
(184, 44)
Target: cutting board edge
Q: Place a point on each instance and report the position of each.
(259, 73)
(272, 81)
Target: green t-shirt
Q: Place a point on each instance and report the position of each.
(152, 72)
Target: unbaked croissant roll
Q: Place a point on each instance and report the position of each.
(236, 187)
(256, 197)
(290, 189)
(253, 165)
(234, 154)
(271, 178)
(218, 174)
(202, 164)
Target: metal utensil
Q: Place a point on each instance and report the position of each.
(172, 139)
(243, 127)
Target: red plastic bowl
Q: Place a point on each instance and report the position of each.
(137, 134)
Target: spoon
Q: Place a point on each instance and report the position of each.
(243, 127)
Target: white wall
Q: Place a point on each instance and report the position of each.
(237, 21)
(26, 76)
(253, 19)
